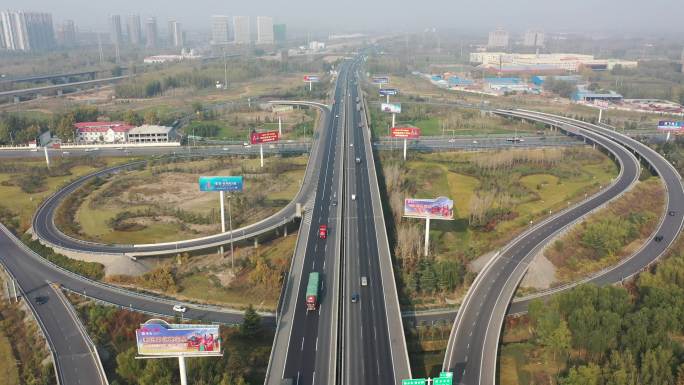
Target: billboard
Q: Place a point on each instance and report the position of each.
(163, 339)
(389, 91)
(439, 208)
(263, 137)
(405, 132)
(669, 125)
(220, 183)
(312, 78)
(394, 108)
(380, 79)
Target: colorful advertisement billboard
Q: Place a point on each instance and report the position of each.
(312, 78)
(380, 79)
(394, 108)
(220, 183)
(263, 137)
(405, 132)
(438, 208)
(389, 91)
(670, 125)
(162, 339)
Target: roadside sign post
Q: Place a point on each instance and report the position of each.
(263, 137)
(670, 126)
(394, 119)
(280, 126)
(159, 339)
(311, 79)
(223, 184)
(406, 133)
(438, 208)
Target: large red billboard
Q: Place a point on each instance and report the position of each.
(405, 132)
(263, 137)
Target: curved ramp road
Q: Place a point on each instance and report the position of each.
(44, 225)
(478, 322)
(473, 344)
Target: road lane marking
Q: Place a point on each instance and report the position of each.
(302, 348)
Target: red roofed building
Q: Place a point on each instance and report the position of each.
(107, 132)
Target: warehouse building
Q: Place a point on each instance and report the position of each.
(151, 134)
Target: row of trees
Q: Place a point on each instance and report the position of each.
(612, 336)
(246, 351)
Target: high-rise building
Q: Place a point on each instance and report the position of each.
(134, 30)
(115, 30)
(264, 30)
(25, 31)
(66, 33)
(241, 29)
(534, 39)
(151, 32)
(682, 61)
(279, 33)
(498, 38)
(170, 35)
(220, 29)
(176, 34)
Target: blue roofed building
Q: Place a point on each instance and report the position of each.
(584, 95)
(502, 81)
(455, 81)
(539, 80)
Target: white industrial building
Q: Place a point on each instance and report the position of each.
(558, 61)
(151, 134)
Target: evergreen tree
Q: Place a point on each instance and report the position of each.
(251, 325)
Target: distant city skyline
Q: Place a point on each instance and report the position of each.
(631, 16)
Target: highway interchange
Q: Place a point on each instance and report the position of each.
(345, 342)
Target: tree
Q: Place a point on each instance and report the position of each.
(65, 127)
(680, 375)
(656, 367)
(133, 118)
(428, 280)
(583, 375)
(620, 369)
(151, 117)
(558, 341)
(251, 325)
(127, 367)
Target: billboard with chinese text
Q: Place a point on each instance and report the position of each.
(220, 183)
(312, 78)
(389, 92)
(263, 137)
(380, 79)
(394, 108)
(670, 125)
(405, 132)
(162, 339)
(438, 208)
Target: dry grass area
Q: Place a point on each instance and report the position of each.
(163, 203)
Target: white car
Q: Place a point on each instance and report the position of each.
(452, 140)
(474, 141)
(226, 148)
(353, 197)
(351, 144)
(364, 281)
(179, 308)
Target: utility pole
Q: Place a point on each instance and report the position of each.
(225, 70)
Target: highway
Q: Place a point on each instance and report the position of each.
(374, 345)
(305, 346)
(44, 227)
(473, 343)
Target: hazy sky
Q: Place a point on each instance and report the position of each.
(654, 16)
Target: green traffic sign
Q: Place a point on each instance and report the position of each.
(446, 374)
(413, 381)
(442, 381)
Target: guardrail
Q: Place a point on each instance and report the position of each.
(41, 326)
(84, 333)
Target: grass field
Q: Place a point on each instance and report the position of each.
(178, 190)
(527, 190)
(24, 203)
(9, 373)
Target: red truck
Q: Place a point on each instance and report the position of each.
(323, 231)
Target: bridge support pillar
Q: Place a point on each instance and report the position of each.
(59, 92)
(256, 242)
(16, 100)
